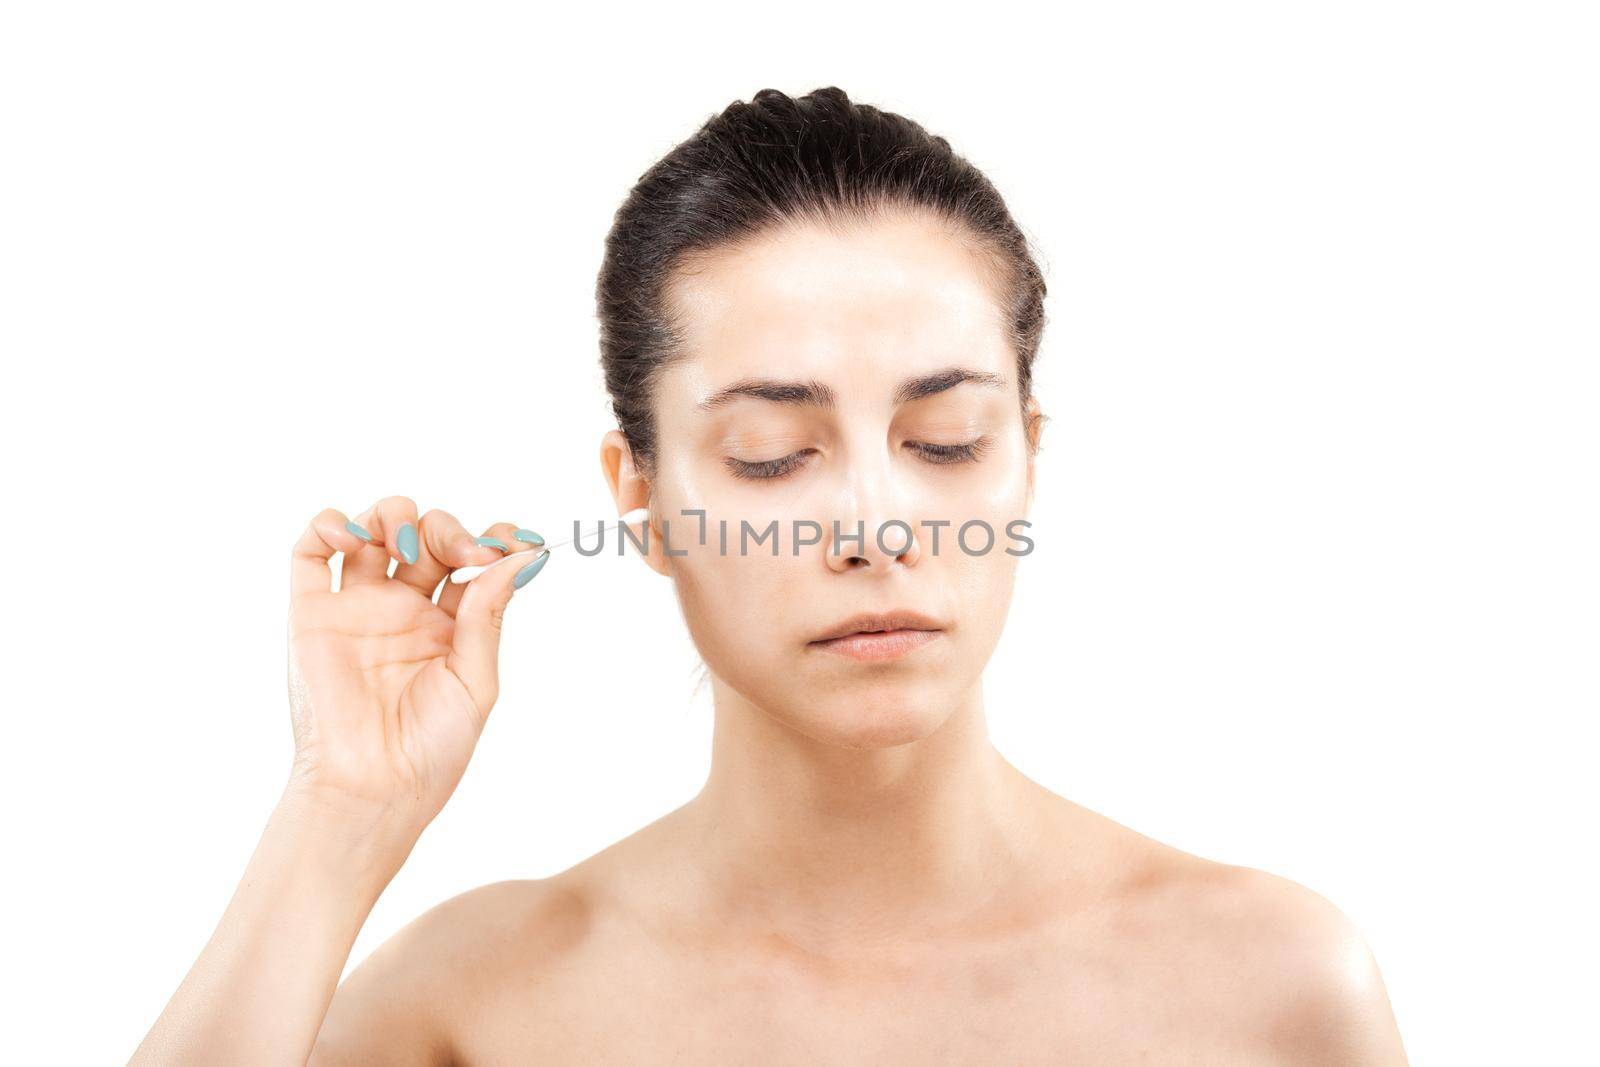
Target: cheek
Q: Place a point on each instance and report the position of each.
(733, 602)
(734, 609)
(986, 580)
(995, 492)
(1009, 493)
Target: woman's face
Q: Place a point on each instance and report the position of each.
(843, 345)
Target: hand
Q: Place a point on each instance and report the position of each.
(389, 692)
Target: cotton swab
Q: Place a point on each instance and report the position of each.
(466, 574)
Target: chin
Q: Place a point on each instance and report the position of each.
(872, 716)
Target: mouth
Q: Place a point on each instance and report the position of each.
(880, 636)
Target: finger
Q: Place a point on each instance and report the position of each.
(392, 522)
(475, 645)
(310, 570)
(503, 532)
(368, 562)
(443, 545)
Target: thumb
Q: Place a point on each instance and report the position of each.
(475, 647)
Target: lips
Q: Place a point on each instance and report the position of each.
(879, 622)
(878, 647)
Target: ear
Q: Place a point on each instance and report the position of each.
(630, 490)
(1033, 421)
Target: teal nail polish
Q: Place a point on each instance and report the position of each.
(528, 536)
(525, 575)
(494, 542)
(357, 529)
(407, 543)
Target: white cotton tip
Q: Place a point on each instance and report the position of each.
(466, 574)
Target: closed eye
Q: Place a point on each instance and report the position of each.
(767, 469)
(963, 453)
(941, 455)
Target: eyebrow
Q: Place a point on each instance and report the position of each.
(812, 393)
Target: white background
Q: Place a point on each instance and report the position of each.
(1316, 579)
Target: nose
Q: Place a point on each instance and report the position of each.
(869, 532)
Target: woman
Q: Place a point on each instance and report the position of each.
(814, 315)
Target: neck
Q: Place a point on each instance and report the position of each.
(830, 842)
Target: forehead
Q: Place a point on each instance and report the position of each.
(881, 299)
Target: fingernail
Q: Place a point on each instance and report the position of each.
(357, 529)
(407, 543)
(528, 536)
(525, 575)
(494, 542)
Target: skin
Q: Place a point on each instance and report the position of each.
(863, 878)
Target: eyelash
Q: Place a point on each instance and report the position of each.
(940, 455)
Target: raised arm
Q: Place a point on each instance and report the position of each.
(388, 693)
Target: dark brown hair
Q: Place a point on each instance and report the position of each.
(774, 161)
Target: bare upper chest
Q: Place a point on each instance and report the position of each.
(1068, 998)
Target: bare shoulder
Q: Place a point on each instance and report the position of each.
(407, 1002)
(1273, 956)
(1321, 998)
(495, 974)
